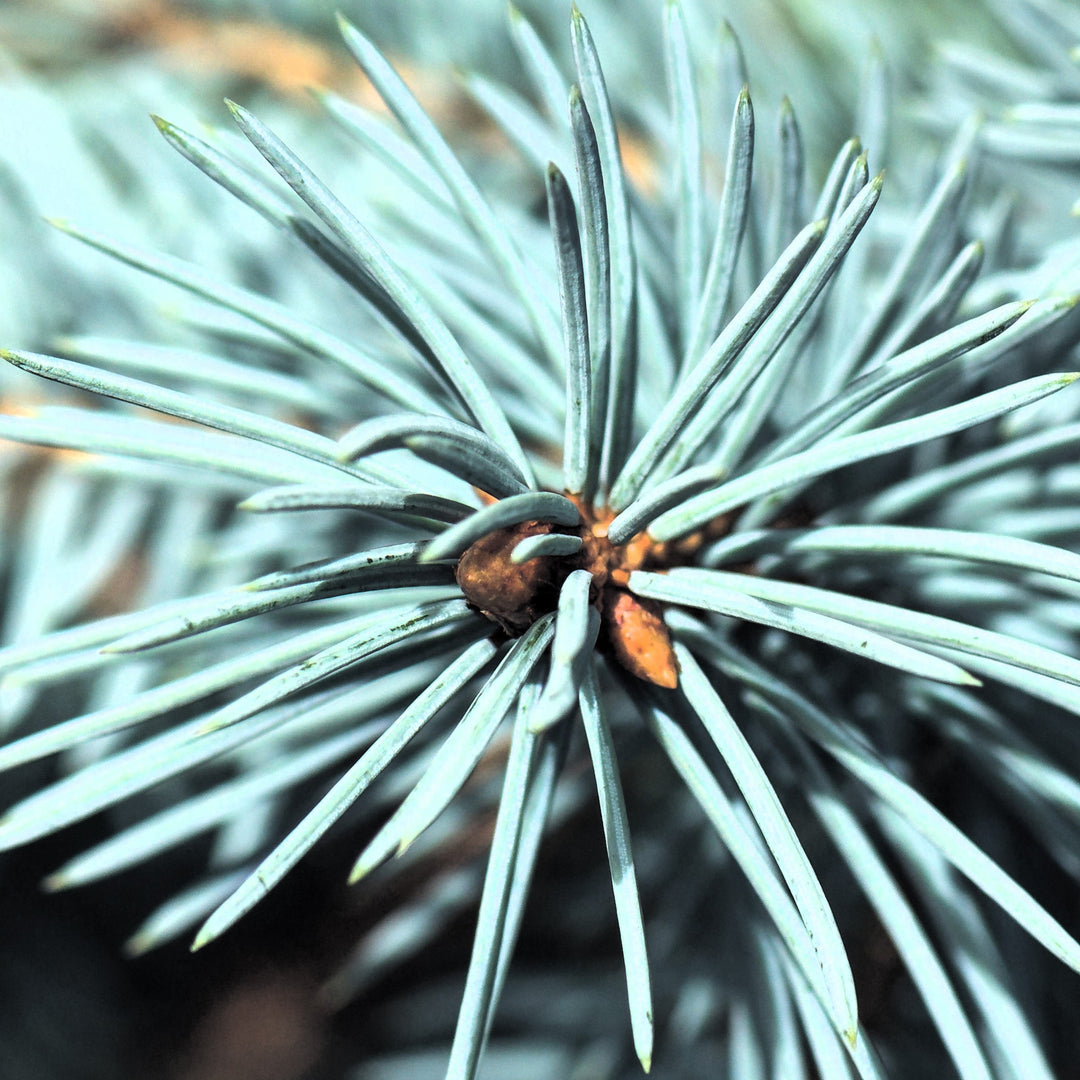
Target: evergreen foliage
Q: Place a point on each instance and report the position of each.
(742, 507)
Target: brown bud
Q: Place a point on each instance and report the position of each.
(512, 595)
(639, 638)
